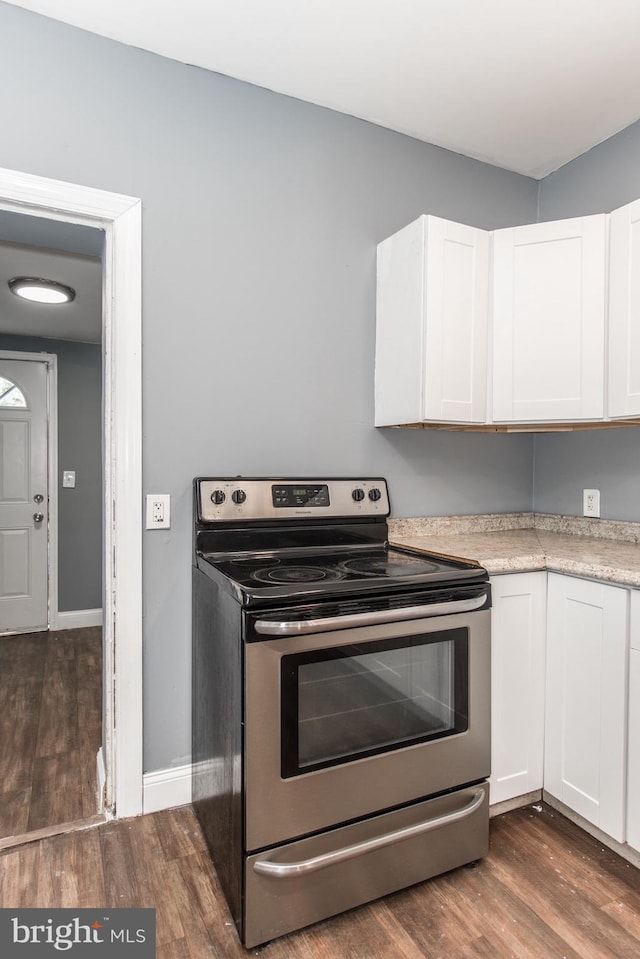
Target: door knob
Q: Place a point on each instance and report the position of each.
(38, 517)
(38, 498)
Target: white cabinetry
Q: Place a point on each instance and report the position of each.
(633, 773)
(431, 327)
(539, 358)
(549, 321)
(585, 727)
(517, 684)
(623, 393)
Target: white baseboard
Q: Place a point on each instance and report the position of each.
(78, 619)
(165, 788)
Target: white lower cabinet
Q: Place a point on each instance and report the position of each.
(633, 773)
(586, 700)
(517, 684)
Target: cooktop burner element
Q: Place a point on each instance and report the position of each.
(297, 574)
(396, 565)
(259, 579)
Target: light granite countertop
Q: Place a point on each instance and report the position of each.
(523, 542)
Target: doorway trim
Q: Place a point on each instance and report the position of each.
(51, 362)
(120, 217)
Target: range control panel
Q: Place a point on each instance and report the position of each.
(292, 496)
(246, 498)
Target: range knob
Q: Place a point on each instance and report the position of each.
(358, 494)
(238, 496)
(218, 497)
(375, 494)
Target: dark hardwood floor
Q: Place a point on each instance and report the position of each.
(546, 889)
(50, 728)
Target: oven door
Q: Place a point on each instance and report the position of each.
(341, 723)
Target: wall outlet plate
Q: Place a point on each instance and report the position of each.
(158, 511)
(591, 502)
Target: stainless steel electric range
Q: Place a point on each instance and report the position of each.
(341, 700)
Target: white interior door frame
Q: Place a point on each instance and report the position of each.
(51, 361)
(120, 217)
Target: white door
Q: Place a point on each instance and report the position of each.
(456, 297)
(548, 321)
(624, 304)
(586, 704)
(518, 634)
(633, 747)
(23, 496)
(432, 315)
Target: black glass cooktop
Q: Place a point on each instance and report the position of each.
(376, 568)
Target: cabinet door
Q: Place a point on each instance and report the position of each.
(548, 321)
(456, 321)
(518, 627)
(585, 728)
(623, 390)
(431, 324)
(633, 772)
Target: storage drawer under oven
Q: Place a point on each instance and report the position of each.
(305, 881)
(349, 722)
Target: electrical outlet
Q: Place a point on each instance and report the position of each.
(591, 502)
(158, 513)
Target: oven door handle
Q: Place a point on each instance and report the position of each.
(285, 870)
(301, 626)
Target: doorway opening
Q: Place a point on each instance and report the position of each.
(120, 766)
(51, 662)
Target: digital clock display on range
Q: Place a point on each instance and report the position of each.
(291, 496)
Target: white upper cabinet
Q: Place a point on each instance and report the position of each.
(431, 326)
(623, 394)
(510, 329)
(549, 321)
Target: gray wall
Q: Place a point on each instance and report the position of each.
(261, 216)
(79, 448)
(606, 177)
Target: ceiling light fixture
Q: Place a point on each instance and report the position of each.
(37, 290)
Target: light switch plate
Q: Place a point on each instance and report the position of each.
(69, 479)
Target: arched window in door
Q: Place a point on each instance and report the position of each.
(11, 395)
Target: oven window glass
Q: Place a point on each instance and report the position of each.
(349, 702)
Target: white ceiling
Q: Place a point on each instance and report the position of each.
(523, 84)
